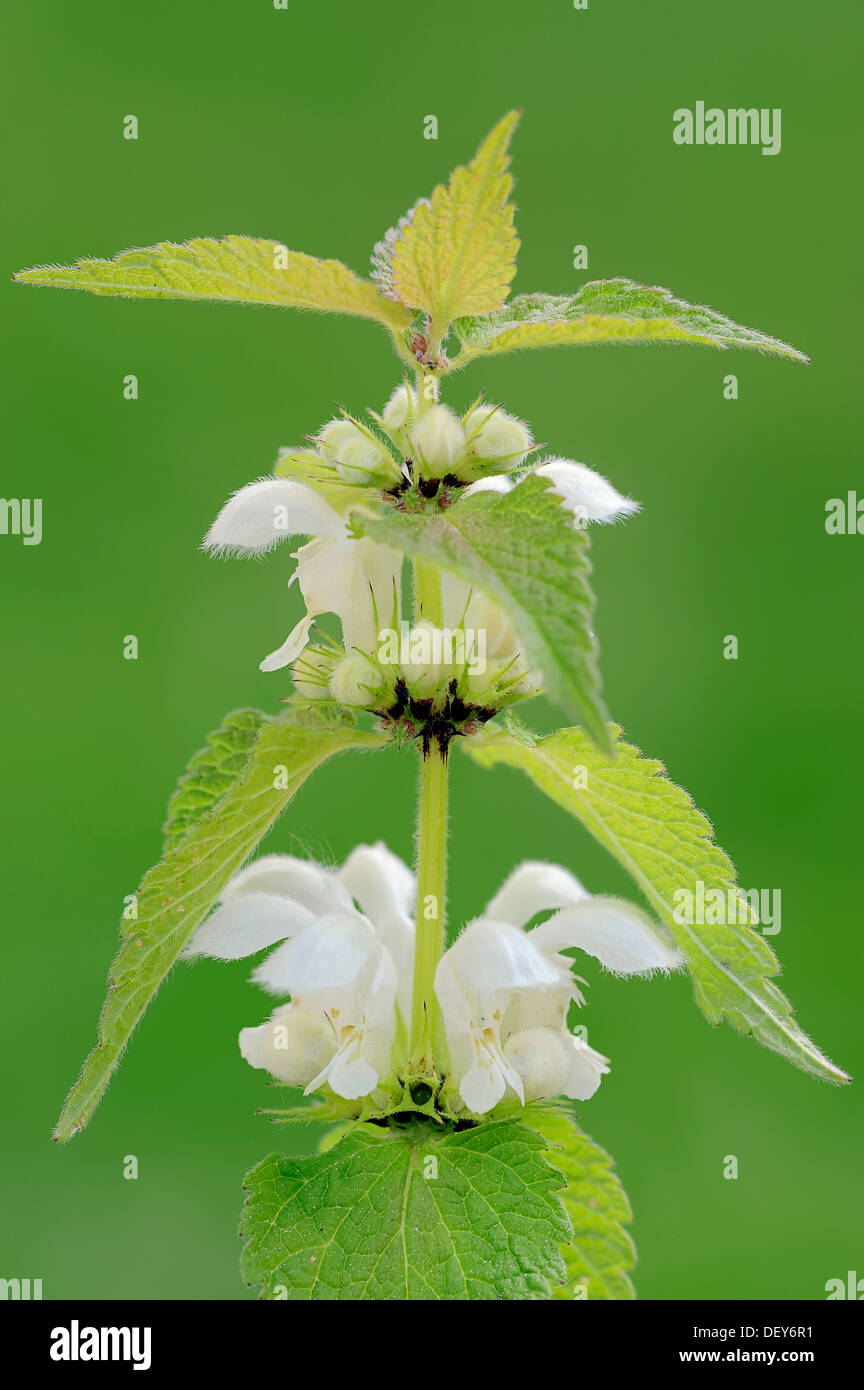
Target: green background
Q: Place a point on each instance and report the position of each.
(306, 125)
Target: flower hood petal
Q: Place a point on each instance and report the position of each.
(244, 925)
(589, 495)
(306, 882)
(533, 887)
(621, 937)
(260, 515)
(496, 482)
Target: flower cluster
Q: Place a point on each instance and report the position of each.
(344, 958)
(416, 460)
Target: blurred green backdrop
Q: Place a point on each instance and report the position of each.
(306, 125)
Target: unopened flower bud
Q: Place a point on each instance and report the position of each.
(311, 673)
(356, 682)
(438, 441)
(429, 662)
(356, 456)
(399, 410)
(496, 437)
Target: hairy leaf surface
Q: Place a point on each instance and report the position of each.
(413, 1215)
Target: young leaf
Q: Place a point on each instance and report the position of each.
(652, 827)
(211, 772)
(455, 253)
(606, 311)
(522, 549)
(601, 1251)
(242, 269)
(175, 895)
(417, 1215)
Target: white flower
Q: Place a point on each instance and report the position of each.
(358, 580)
(505, 992)
(347, 969)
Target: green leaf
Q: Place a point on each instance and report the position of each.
(455, 253)
(241, 269)
(606, 311)
(176, 894)
(211, 772)
(408, 1215)
(522, 549)
(601, 1250)
(654, 830)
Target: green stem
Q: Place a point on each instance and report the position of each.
(427, 1028)
(427, 594)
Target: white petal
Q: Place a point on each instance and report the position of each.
(620, 936)
(243, 925)
(262, 514)
(329, 955)
(589, 495)
(351, 1078)
(301, 880)
(531, 888)
(291, 648)
(482, 1088)
(587, 1069)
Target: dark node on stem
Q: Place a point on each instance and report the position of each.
(456, 719)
